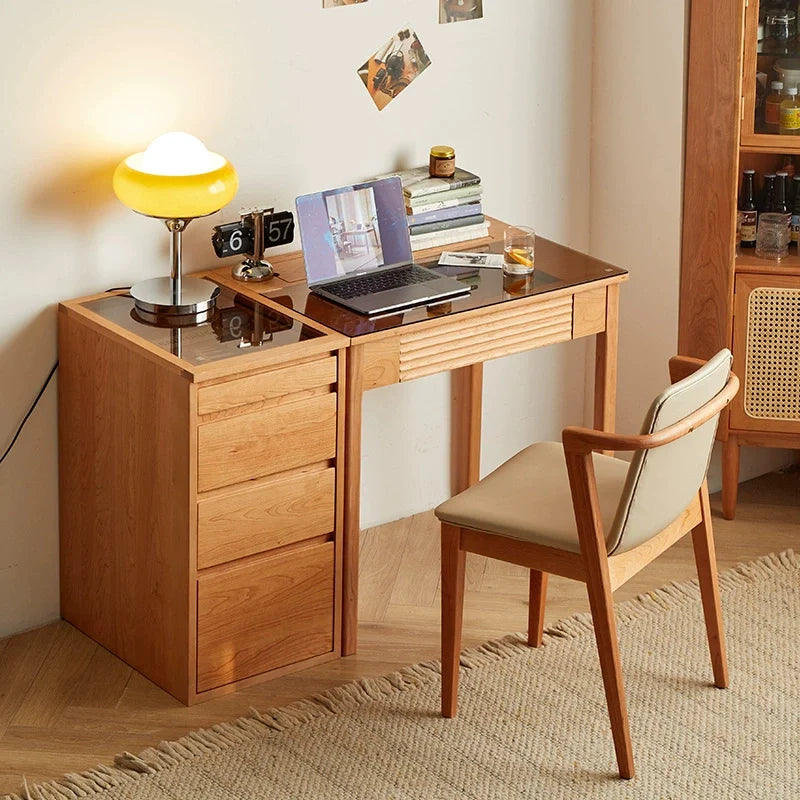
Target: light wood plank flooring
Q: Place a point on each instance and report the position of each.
(66, 704)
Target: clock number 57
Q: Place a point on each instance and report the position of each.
(278, 230)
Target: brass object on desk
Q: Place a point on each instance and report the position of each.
(254, 268)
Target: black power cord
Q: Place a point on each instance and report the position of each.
(30, 411)
(41, 392)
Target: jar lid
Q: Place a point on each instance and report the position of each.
(443, 151)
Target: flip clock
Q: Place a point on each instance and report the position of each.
(257, 230)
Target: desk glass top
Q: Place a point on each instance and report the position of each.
(557, 267)
(237, 327)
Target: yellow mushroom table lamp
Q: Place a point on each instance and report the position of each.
(175, 179)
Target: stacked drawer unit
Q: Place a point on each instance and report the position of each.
(200, 503)
(266, 516)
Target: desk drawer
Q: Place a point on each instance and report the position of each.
(259, 518)
(266, 386)
(472, 338)
(264, 615)
(265, 442)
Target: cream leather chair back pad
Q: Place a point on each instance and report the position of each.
(662, 482)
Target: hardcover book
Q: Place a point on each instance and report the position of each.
(417, 182)
(417, 203)
(442, 238)
(468, 210)
(447, 224)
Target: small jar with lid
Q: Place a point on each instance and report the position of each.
(443, 162)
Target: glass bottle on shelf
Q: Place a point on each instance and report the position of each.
(772, 107)
(781, 206)
(747, 210)
(790, 113)
(768, 194)
(796, 212)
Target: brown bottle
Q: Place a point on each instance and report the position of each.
(747, 209)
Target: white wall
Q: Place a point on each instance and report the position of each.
(272, 85)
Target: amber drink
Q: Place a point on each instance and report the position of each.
(519, 244)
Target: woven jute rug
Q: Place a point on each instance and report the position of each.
(531, 723)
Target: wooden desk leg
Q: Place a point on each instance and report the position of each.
(605, 365)
(467, 389)
(354, 392)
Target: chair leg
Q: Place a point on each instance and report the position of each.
(605, 631)
(453, 567)
(538, 594)
(706, 559)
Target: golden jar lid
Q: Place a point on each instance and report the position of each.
(443, 151)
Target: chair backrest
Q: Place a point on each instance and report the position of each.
(661, 482)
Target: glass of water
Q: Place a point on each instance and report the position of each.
(519, 244)
(772, 239)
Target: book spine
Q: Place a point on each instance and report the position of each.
(448, 224)
(440, 204)
(442, 238)
(450, 185)
(467, 191)
(468, 210)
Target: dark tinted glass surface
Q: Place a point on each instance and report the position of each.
(557, 267)
(237, 326)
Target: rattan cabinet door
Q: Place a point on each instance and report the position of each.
(766, 344)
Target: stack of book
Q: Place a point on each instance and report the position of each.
(443, 211)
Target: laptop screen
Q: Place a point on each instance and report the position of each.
(353, 229)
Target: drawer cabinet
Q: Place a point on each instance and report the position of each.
(201, 500)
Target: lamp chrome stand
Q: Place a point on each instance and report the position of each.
(176, 296)
(255, 268)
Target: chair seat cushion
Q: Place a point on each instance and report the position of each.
(529, 498)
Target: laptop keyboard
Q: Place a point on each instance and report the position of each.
(379, 281)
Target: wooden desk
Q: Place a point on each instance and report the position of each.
(571, 296)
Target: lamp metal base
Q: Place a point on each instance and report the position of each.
(155, 296)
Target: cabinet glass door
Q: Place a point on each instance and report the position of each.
(770, 110)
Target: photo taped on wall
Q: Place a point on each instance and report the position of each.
(459, 10)
(337, 3)
(393, 67)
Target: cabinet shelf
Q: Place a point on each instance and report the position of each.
(751, 263)
(770, 143)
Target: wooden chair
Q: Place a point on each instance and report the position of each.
(567, 509)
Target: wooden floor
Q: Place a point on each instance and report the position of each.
(66, 704)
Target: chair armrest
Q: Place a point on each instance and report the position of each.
(586, 440)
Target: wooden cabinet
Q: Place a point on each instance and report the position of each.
(201, 491)
(731, 299)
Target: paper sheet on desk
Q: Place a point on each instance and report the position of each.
(490, 260)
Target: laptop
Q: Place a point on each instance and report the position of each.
(357, 250)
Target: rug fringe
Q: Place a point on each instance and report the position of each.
(128, 767)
